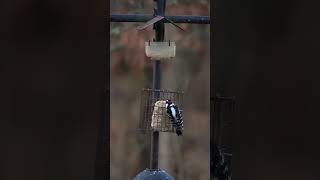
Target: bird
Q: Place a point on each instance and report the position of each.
(175, 117)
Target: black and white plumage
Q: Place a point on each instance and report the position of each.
(175, 117)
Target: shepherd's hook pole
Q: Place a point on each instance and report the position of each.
(159, 36)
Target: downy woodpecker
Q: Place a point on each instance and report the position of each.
(174, 116)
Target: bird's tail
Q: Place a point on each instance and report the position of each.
(179, 131)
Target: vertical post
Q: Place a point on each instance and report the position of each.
(215, 140)
(159, 36)
(102, 152)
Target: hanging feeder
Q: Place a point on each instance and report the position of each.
(158, 115)
(153, 115)
(160, 50)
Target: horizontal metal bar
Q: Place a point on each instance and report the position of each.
(150, 22)
(227, 154)
(130, 18)
(190, 19)
(145, 18)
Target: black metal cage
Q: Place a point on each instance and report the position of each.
(153, 114)
(221, 139)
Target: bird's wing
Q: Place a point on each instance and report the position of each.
(177, 110)
(173, 111)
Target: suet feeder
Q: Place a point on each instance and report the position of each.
(153, 115)
(160, 50)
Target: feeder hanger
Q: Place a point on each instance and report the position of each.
(157, 19)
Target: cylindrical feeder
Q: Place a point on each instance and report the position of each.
(160, 50)
(153, 115)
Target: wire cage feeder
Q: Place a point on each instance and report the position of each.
(153, 114)
(224, 108)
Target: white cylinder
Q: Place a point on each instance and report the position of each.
(160, 50)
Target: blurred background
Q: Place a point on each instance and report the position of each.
(186, 157)
(52, 70)
(266, 54)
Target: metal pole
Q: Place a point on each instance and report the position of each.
(159, 36)
(102, 152)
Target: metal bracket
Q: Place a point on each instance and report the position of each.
(155, 20)
(174, 24)
(150, 22)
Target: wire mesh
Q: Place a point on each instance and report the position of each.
(153, 114)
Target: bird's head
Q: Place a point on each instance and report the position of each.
(168, 102)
